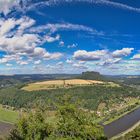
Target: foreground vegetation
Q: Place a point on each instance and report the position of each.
(71, 123)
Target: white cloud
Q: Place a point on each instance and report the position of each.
(22, 62)
(65, 27)
(94, 2)
(89, 56)
(37, 62)
(51, 39)
(109, 61)
(25, 23)
(72, 46)
(136, 57)
(26, 5)
(15, 41)
(100, 58)
(79, 66)
(9, 65)
(68, 61)
(61, 43)
(122, 52)
(3, 60)
(54, 56)
(8, 58)
(116, 4)
(7, 5)
(60, 64)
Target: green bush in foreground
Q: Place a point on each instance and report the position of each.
(72, 123)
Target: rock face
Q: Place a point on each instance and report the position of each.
(92, 75)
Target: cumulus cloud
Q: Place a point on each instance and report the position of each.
(79, 66)
(15, 41)
(54, 56)
(122, 52)
(101, 57)
(8, 58)
(89, 56)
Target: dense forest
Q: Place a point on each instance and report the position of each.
(91, 96)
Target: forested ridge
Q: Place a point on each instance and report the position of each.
(92, 95)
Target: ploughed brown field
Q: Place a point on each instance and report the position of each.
(52, 84)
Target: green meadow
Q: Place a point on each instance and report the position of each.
(7, 115)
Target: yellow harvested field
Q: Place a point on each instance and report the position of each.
(53, 84)
(112, 84)
(77, 82)
(96, 82)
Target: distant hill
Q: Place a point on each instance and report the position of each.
(34, 77)
(128, 79)
(92, 75)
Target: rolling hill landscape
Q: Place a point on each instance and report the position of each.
(69, 70)
(105, 100)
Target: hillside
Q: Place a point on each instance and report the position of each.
(55, 84)
(92, 75)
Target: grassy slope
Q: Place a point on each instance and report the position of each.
(8, 115)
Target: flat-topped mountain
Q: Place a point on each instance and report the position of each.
(92, 75)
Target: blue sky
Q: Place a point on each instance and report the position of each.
(69, 36)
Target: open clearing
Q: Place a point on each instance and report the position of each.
(8, 116)
(7, 120)
(59, 84)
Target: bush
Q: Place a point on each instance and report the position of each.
(72, 123)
